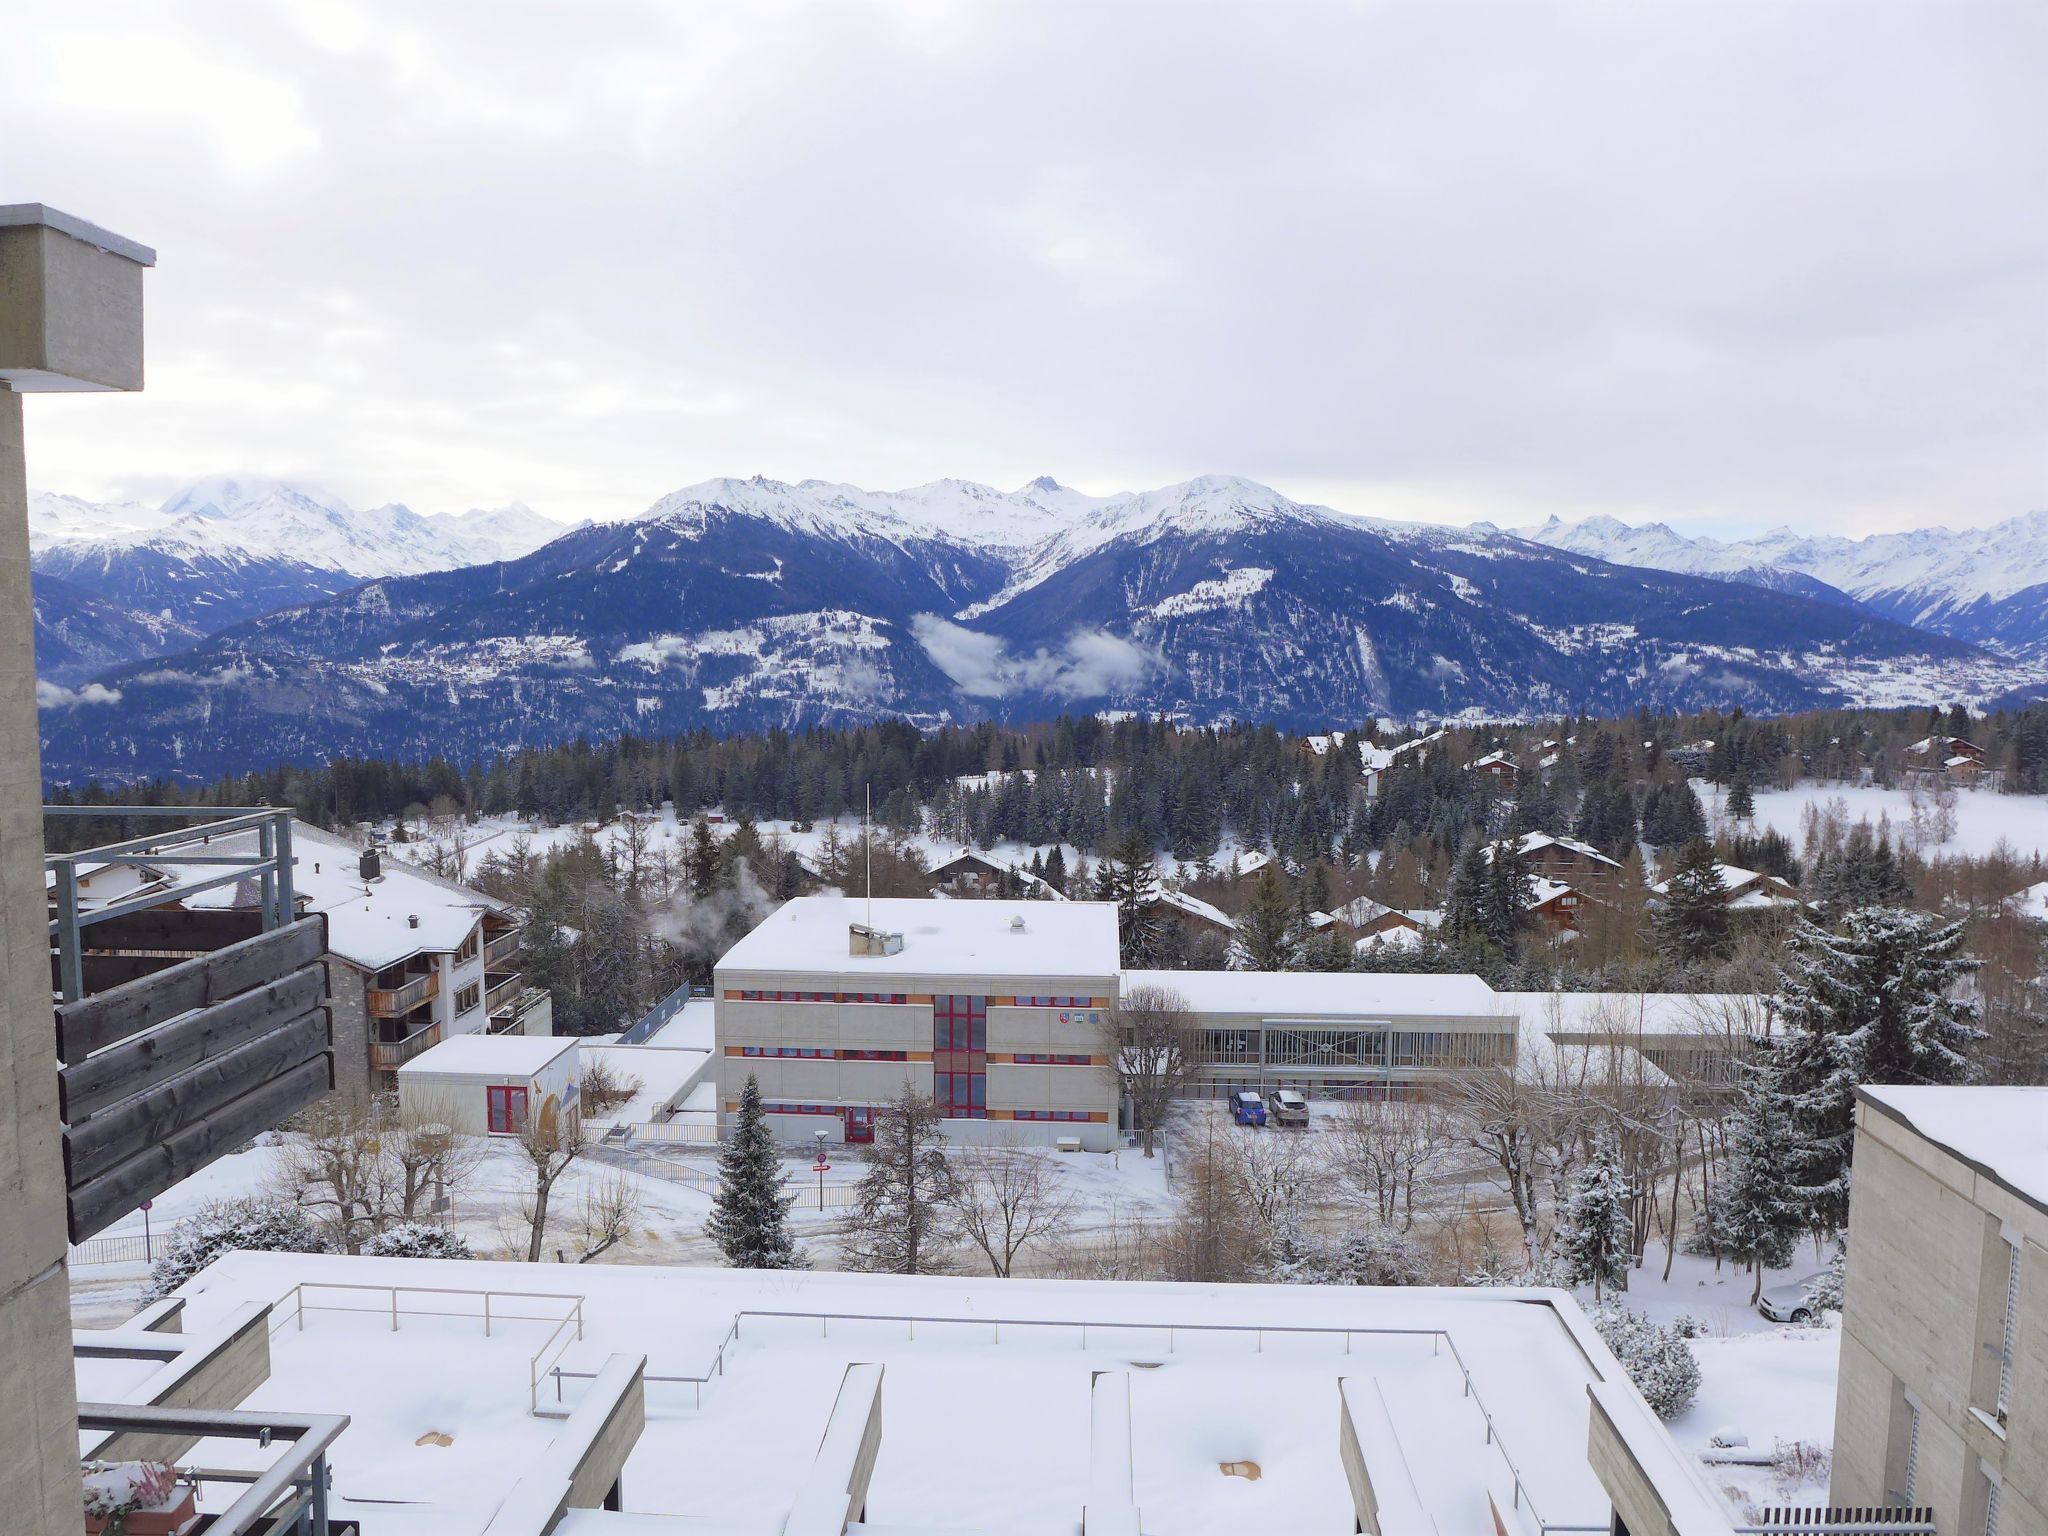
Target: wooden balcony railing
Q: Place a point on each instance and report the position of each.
(390, 1055)
(501, 992)
(502, 946)
(390, 1002)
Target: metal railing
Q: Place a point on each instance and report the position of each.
(388, 1002)
(1440, 1339)
(269, 864)
(288, 1495)
(111, 1250)
(660, 1014)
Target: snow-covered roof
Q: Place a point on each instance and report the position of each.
(1194, 906)
(740, 1460)
(661, 1074)
(1629, 1013)
(1534, 842)
(480, 1055)
(808, 936)
(367, 924)
(2003, 1131)
(1491, 760)
(1277, 994)
(1769, 890)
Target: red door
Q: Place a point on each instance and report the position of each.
(860, 1126)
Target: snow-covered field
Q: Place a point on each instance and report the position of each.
(1983, 818)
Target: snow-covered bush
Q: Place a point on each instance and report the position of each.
(1686, 1326)
(229, 1226)
(418, 1240)
(117, 1489)
(1543, 1273)
(1357, 1256)
(1657, 1360)
(1825, 1294)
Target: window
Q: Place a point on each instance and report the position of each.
(799, 1109)
(1991, 1490)
(470, 946)
(874, 997)
(959, 1023)
(1902, 1453)
(1055, 1002)
(1040, 1059)
(797, 1052)
(1063, 1115)
(505, 1110)
(468, 997)
(874, 1055)
(756, 995)
(2009, 1328)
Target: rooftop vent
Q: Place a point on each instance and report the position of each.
(372, 865)
(1017, 924)
(412, 919)
(863, 940)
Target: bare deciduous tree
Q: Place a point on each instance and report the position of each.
(549, 1146)
(1007, 1198)
(1269, 1177)
(606, 1215)
(328, 1163)
(1150, 1040)
(1383, 1147)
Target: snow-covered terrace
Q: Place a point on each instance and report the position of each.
(987, 1394)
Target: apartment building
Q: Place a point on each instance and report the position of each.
(1942, 1399)
(413, 959)
(995, 1008)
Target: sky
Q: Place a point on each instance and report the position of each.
(1727, 265)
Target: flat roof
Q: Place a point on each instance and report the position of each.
(808, 935)
(16, 214)
(481, 1055)
(1008, 1356)
(1277, 994)
(2001, 1132)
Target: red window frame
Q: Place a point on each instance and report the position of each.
(500, 1102)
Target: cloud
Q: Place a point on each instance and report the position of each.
(1091, 664)
(53, 696)
(1726, 266)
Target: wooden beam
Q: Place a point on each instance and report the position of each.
(112, 1195)
(127, 1128)
(198, 932)
(158, 1054)
(93, 1023)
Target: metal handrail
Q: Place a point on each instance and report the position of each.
(301, 1473)
(270, 863)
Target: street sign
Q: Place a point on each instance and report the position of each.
(821, 1166)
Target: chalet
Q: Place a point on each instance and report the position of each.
(1950, 757)
(1363, 918)
(1745, 891)
(1559, 907)
(1378, 761)
(1192, 913)
(1563, 859)
(1497, 766)
(970, 873)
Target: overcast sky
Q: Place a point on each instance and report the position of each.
(1728, 265)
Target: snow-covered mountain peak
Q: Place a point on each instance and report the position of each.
(225, 495)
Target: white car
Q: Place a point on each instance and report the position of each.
(1287, 1107)
(1790, 1302)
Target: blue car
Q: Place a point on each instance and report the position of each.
(1247, 1108)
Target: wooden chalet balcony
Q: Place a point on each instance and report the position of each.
(501, 946)
(392, 1002)
(390, 1055)
(501, 992)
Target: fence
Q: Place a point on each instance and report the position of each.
(111, 1250)
(808, 1197)
(1841, 1520)
(1439, 1338)
(660, 1014)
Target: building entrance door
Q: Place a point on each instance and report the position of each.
(860, 1126)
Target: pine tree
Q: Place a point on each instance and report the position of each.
(1130, 880)
(902, 1221)
(1595, 1232)
(1741, 798)
(1760, 1214)
(1506, 897)
(702, 865)
(1692, 923)
(750, 1213)
(1465, 905)
(1056, 868)
(1876, 1003)
(1267, 936)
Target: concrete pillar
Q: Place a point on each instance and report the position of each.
(39, 1484)
(70, 319)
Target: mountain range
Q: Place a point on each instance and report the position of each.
(1987, 585)
(742, 604)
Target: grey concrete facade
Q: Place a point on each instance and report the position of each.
(70, 318)
(1932, 1239)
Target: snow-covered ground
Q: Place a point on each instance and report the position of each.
(1983, 818)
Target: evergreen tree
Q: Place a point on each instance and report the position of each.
(1130, 880)
(1875, 1003)
(902, 1222)
(1506, 897)
(1741, 798)
(750, 1213)
(1056, 869)
(1692, 923)
(1760, 1214)
(702, 866)
(1595, 1232)
(1465, 905)
(1268, 938)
